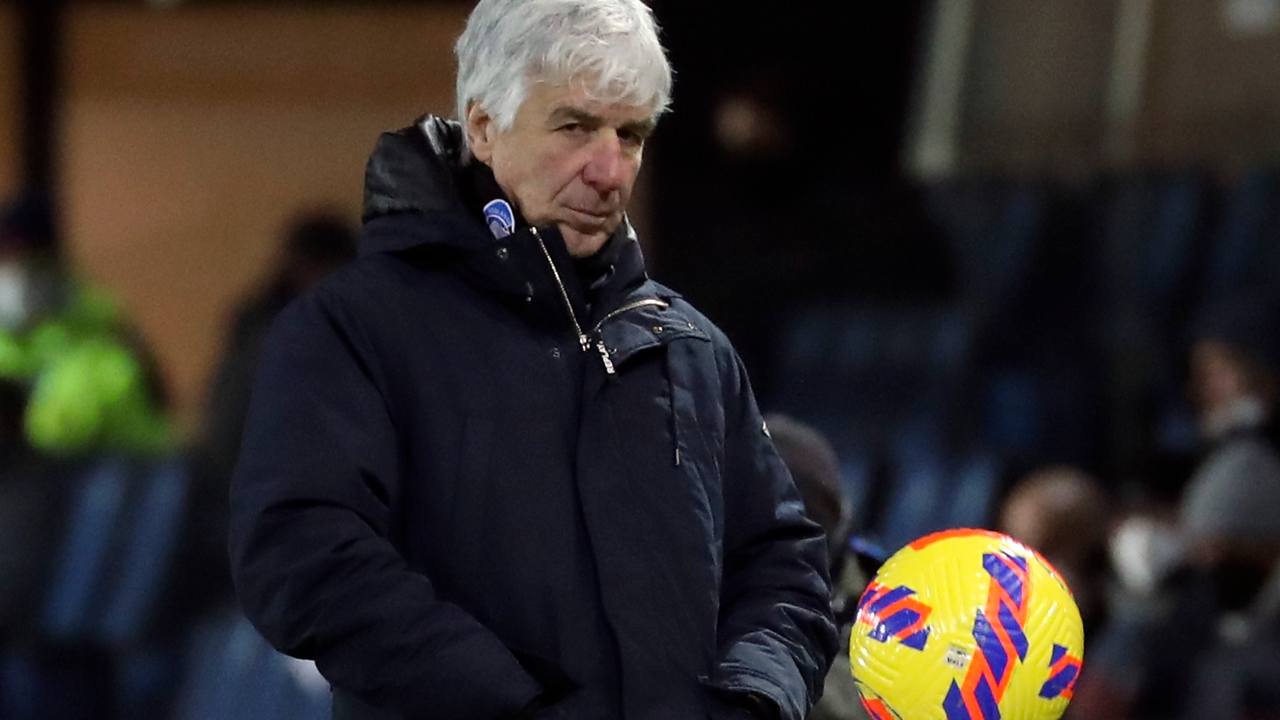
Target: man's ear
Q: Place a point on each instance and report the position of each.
(480, 130)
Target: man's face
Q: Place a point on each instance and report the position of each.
(567, 159)
(1217, 377)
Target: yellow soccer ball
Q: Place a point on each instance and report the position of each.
(966, 625)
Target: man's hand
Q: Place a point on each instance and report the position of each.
(744, 706)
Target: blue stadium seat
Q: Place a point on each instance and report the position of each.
(1244, 250)
(918, 488)
(113, 566)
(974, 491)
(993, 227)
(864, 368)
(146, 552)
(82, 565)
(857, 473)
(884, 384)
(1151, 225)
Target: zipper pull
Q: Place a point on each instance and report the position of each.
(604, 356)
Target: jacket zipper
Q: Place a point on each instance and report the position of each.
(630, 306)
(584, 341)
(600, 346)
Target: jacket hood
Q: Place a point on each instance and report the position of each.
(418, 171)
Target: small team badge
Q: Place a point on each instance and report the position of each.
(500, 219)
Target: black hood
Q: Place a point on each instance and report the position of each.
(419, 170)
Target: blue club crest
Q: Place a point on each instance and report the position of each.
(500, 218)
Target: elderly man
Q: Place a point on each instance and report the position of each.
(491, 469)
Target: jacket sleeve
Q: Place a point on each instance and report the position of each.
(777, 636)
(310, 554)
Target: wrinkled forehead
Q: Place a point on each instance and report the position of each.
(594, 94)
(580, 99)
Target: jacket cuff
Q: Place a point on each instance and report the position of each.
(757, 691)
(740, 703)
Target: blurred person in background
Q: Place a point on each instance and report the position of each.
(90, 384)
(77, 389)
(1198, 633)
(491, 469)
(816, 470)
(28, 499)
(1235, 370)
(1065, 514)
(1230, 517)
(1207, 644)
(1230, 511)
(313, 245)
(1235, 375)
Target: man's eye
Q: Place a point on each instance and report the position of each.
(629, 137)
(572, 128)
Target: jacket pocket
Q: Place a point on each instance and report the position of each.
(556, 684)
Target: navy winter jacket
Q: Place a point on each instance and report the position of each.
(464, 499)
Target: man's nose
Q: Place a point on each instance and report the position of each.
(607, 167)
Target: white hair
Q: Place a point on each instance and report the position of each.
(611, 46)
